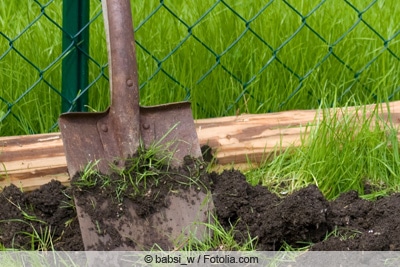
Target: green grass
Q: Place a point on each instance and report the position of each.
(221, 239)
(340, 153)
(138, 172)
(263, 68)
(41, 237)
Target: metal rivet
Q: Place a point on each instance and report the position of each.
(129, 82)
(104, 128)
(146, 126)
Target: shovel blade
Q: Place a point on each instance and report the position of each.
(88, 138)
(81, 139)
(172, 127)
(94, 138)
(91, 138)
(167, 229)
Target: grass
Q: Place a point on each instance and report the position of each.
(139, 172)
(40, 236)
(261, 68)
(221, 240)
(340, 153)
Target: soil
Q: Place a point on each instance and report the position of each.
(304, 217)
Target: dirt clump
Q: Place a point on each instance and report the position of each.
(301, 217)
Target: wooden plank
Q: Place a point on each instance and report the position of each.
(254, 136)
(238, 137)
(32, 160)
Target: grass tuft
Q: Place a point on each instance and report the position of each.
(221, 239)
(143, 168)
(341, 152)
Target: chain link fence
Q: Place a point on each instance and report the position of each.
(226, 57)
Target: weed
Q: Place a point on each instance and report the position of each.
(41, 237)
(70, 203)
(342, 233)
(147, 165)
(69, 222)
(25, 215)
(301, 246)
(93, 203)
(220, 239)
(98, 228)
(42, 240)
(89, 177)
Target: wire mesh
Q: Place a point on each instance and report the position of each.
(226, 57)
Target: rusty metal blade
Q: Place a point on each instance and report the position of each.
(167, 229)
(171, 126)
(81, 134)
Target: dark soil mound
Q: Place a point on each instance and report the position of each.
(301, 217)
(47, 211)
(304, 217)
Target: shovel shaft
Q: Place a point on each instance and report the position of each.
(124, 116)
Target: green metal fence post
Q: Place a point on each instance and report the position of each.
(75, 64)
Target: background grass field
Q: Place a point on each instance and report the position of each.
(226, 57)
